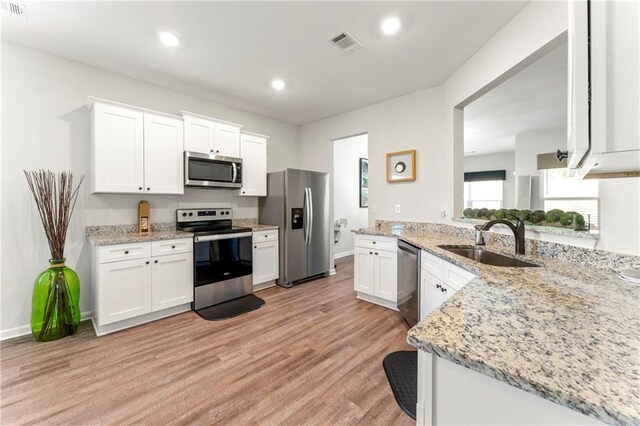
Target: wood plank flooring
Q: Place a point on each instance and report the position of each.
(312, 355)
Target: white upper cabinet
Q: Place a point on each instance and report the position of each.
(117, 149)
(211, 136)
(253, 150)
(227, 140)
(134, 150)
(198, 134)
(163, 148)
(604, 134)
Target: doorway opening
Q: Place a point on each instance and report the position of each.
(350, 190)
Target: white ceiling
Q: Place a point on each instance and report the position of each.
(231, 51)
(533, 99)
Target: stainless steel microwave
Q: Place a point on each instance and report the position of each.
(212, 171)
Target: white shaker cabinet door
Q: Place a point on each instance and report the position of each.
(124, 290)
(227, 140)
(198, 135)
(430, 294)
(163, 158)
(265, 262)
(117, 155)
(172, 282)
(386, 275)
(364, 274)
(253, 150)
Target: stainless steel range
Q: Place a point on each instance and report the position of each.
(222, 255)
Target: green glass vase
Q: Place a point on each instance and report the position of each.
(55, 311)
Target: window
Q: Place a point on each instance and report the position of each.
(561, 191)
(483, 194)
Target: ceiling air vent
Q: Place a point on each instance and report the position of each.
(345, 42)
(17, 9)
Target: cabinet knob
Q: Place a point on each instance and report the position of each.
(126, 252)
(148, 189)
(266, 236)
(437, 285)
(147, 262)
(173, 246)
(155, 261)
(376, 254)
(211, 151)
(442, 289)
(217, 151)
(139, 188)
(370, 252)
(255, 247)
(374, 242)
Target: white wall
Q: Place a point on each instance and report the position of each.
(498, 161)
(530, 144)
(45, 124)
(346, 189)
(407, 122)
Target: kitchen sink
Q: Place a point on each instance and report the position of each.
(487, 257)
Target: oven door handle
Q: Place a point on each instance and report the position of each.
(222, 237)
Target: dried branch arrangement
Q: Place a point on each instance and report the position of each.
(56, 199)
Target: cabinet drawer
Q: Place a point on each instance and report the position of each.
(120, 252)
(261, 236)
(162, 247)
(375, 242)
(455, 276)
(433, 264)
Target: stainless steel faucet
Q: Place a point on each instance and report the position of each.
(518, 231)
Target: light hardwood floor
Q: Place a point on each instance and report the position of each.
(312, 355)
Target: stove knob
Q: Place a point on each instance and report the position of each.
(184, 214)
(190, 214)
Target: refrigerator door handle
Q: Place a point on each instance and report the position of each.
(310, 215)
(306, 216)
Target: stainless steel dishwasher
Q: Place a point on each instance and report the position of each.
(409, 282)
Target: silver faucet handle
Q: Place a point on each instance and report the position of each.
(479, 240)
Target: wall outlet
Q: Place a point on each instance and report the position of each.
(374, 208)
(397, 208)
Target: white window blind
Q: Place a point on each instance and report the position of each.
(483, 194)
(561, 191)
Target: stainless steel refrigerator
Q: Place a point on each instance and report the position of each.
(298, 202)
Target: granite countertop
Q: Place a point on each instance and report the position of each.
(563, 331)
(259, 227)
(134, 237)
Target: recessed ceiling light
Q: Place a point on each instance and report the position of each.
(278, 84)
(168, 39)
(390, 25)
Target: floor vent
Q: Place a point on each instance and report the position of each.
(17, 9)
(346, 42)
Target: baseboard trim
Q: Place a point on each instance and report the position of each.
(341, 255)
(332, 272)
(101, 330)
(377, 300)
(262, 286)
(23, 330)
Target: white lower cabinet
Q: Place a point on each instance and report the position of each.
(439, 280)
(266, 266)
(376, 270)
(125, 290)
(170, 288)
(142, 288)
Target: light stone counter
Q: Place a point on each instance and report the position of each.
(564, 331)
